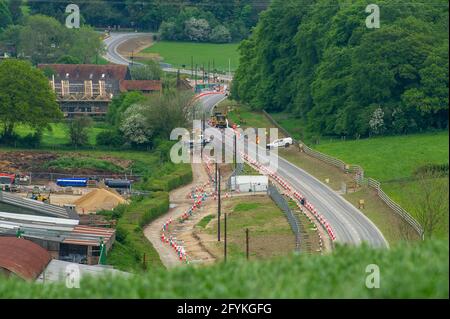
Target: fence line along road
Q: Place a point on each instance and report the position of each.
(282, 203)
(358, 175)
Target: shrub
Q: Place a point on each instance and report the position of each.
(110, 138)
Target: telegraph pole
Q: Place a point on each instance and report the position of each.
(195, 76)
(218, 206)
(246, 243)
(192, 66)
(209, 74)
(225, 239)
(235, 151)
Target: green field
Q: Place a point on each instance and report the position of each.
(59, 133)
(413, 271)
(180, 53)
(393, 157)
(269, 229)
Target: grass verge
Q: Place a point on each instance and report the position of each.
(407, 271)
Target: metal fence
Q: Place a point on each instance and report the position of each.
(237, 171)
(358, 175)
(50, 176)
(282, 203)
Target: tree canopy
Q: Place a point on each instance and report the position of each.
(319, 61)
(25, 97)
(236, 16)
(53, 42)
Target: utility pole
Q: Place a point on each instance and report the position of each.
(209, 70)
(235, 151)
(218, 206)
(246, 243)
(203, 69)
(216, 175)
(225, 239)
(195, 77)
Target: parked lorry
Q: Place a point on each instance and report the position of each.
(8, 182)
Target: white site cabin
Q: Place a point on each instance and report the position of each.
(249, 183)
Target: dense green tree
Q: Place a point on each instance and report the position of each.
(25, 97)
(78, 130)
(15, 8)
(319, 61)
(5, 15)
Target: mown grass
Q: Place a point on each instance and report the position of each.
(180, 53)
(413, 271)
(392, 157)
(269, 231)
(58, 135)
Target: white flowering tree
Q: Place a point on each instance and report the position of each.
(376, 122)
(135, 126)
(197, 29)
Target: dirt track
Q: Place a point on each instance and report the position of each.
(183, 231)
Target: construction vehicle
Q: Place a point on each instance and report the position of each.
(37, 195)
(219, 120)
(8, 182)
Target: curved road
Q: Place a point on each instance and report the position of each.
(116, 39)
(349, 224)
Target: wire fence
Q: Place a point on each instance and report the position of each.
(237, 171)
(50, 176)
(283, 204)
(358, 175)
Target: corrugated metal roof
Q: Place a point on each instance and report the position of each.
(23, 257)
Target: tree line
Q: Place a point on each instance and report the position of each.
(220, 20)
(43, 39)
(318, 61)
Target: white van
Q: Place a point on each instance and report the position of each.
(282, 142)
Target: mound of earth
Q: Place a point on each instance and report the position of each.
(98, 199)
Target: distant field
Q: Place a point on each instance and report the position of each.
(394, 157)
(179, 53)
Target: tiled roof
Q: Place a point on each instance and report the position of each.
(82, 72)
(140, 85)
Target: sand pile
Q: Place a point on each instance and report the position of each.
(98, 199)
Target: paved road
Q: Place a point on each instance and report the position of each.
(116, 39)
(349, 224)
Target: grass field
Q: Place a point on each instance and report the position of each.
(180, 53)
(270, 233)
(410, 271)
(392, 157)
(59, 133)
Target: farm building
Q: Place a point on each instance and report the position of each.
(22, 258)
(16, 204)
(63, 238)
(247, 183)
(87, 89)
(27, 260)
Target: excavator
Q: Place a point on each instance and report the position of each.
(219, 120)
(36, 195)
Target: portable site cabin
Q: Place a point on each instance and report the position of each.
(250, 183)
